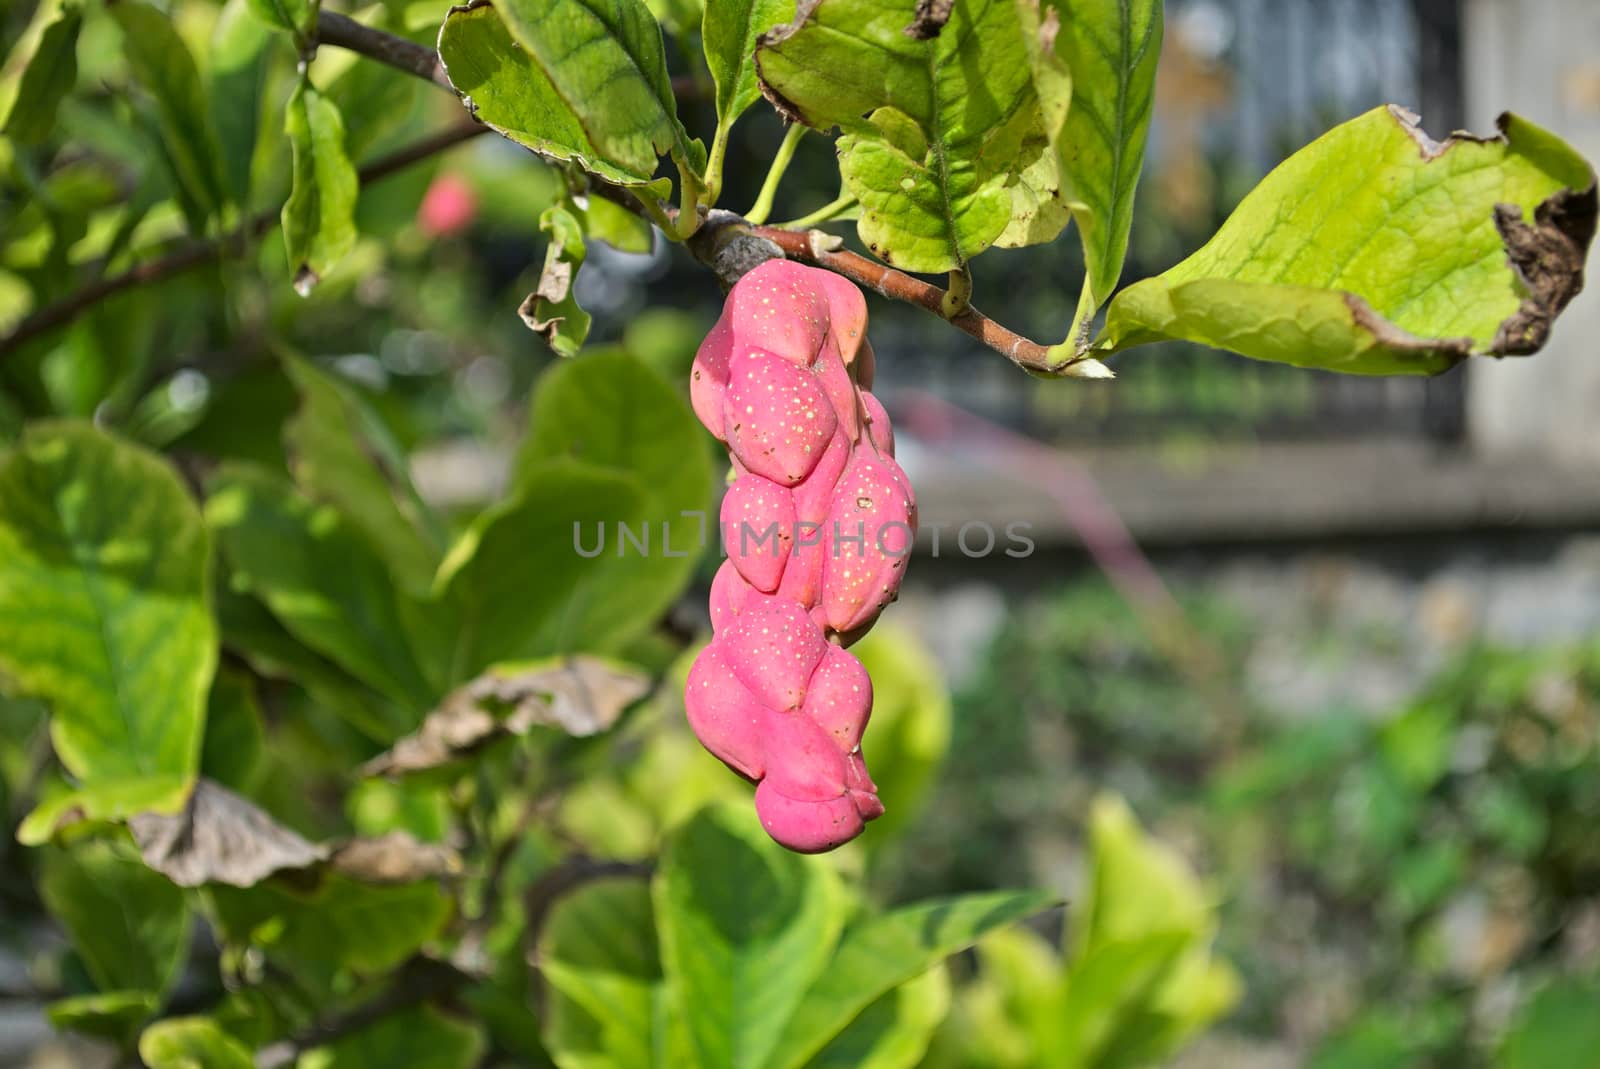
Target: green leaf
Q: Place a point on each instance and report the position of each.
(241, 54)
(192, 1043)
(319, 218)
(340, 925)
(552, 311)
(942, 137)
(295, 16)
(342, 455)
(910, 723)
(894, 1031)
(1375, 250)
(17, 61)
(319, 579)
(607, 221)
(103, 801)
(235, 736)
(1141, 977)
(581, 80)
(880, 953)
(519, 587)
(50, 75)
(252, 632)
(598, 953)
(729, 30)
(1101, 55)
(613, 411)
(1557, 1028)
(163, 64)
(113, 1015)
(421, 1038)
(746, 926)
(105, 606)
(129, 925)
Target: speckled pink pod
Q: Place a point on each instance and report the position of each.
(878, 430)
(773, 649)
(869, 533)
(758, 524)
(808, 827)
(725, 715)
(839, 699)
(777, 418)
(782, 379)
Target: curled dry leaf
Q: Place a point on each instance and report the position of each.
(579, 695)
(219, 837)
(397, 857)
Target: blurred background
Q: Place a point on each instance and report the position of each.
(1338, 638)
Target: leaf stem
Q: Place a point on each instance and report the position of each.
(780, 163)
(824, 214)
(714, 161)
(958, 298)
(823, 250)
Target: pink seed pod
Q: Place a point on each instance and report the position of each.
(836, 385)
(878, 430)
(808, 827)
(725, 715)
(708, 378)
(839, 698)
(813, 495)
(773, 649)
(779, 307)
(758, 523)
(847, 312)
(800, 757)
(777, 418)
(869, 533)
(816, 525)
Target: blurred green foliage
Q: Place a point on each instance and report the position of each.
(1416, 889)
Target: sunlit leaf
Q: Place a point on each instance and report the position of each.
(941, 137)
(1094, 65)
(582, 80)
(746, 927)
(105, 602)
(50, 75)
(319, 223)
(1375, 250)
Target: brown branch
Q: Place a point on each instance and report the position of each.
(542, 895)
(811, 247)
(201, 253)
(421, 979)
(341, 31)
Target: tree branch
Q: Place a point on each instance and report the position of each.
(341, 31)
(421, 979)
(821, 250)
(200, 253)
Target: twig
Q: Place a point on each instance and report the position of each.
(419, 980)
(341, 31)
(541, 897)
(200, 253)
(899, 286)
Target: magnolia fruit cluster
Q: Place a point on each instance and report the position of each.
(817, 523)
